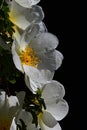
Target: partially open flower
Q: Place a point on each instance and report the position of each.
(23, 17)
(34, 54)
(56, 109)
(56, 106)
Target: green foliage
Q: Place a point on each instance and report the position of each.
(34, 104)
(7, 69)
(6, 26)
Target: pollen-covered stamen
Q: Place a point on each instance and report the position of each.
(29, 57)
(5, 124)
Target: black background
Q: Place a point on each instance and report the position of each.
(64, 19)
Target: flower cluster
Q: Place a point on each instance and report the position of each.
(29, 97)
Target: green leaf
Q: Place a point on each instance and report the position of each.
(6, 26)
(12, 81)
(7, 67)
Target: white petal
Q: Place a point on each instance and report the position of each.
(36, 14)
(48, 119)
(29, 34)
(13, 125)
(47, 74)
(57, 127)
(27, 3)
(16, 58)
(53, 91)
(42, 27)
(31, 126)
(36, 77)
(25, 116)
(31, 84)
(13, 101)
(58, 109)
(59, 58)
(44, 127)
(23, 17)
(45, 42)
(17, 15)
(20, 95)
(32, 72)
(27, 81)
(13, 105)
(50, 60)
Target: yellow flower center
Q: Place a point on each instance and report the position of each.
(36, 102)
(29, 57)
(5, 124)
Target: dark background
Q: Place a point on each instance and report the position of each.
(64, 20)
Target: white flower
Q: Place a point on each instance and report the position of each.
(23, 17)
(9, 107)
(34, 54)
(56, 106)
(27, 3)
(56, 109)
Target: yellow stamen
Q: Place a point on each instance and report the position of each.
(29, 57)
(36, 102)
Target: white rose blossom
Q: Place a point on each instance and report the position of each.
(56, 109)
(9, 106)
(34, 54)
(22, 17)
